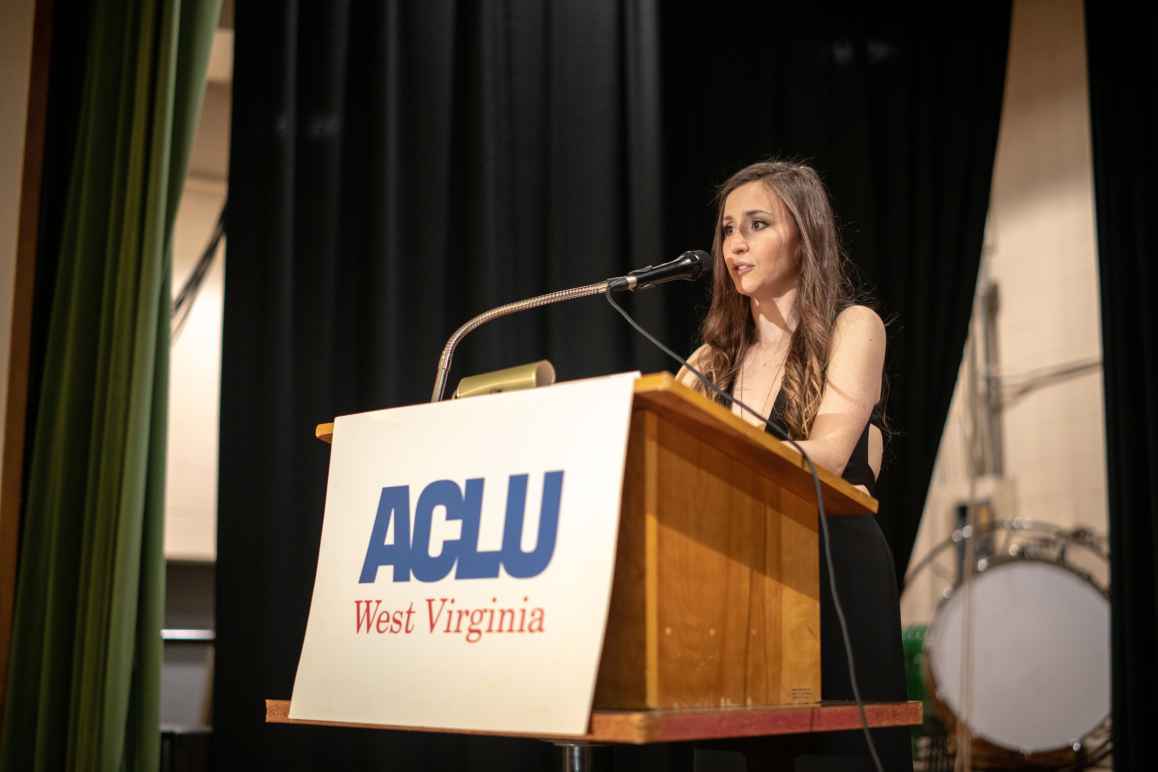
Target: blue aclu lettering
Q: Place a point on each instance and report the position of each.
(409, 552)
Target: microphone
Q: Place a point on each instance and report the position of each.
(689, 266)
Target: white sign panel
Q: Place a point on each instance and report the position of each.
(466, 561)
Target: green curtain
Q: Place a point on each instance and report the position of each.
(85, 671)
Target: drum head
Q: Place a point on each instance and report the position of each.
(1041, 656)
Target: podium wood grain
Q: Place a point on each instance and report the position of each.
(715, 600)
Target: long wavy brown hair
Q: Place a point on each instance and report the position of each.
(825, 290)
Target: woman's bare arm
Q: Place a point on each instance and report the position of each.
(853, 386)
(696, 360)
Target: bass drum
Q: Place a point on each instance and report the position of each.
(1030, 677)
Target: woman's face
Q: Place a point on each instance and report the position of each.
(758, 241)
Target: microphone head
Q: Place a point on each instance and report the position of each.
(689, 266)
(700, 259)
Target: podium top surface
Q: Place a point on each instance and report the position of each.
(661, 393)
(752, 444)
(639, 727)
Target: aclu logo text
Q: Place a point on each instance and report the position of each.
(408, 553)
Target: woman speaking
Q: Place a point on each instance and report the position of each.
(784, 335)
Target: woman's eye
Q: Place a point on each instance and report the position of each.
(759, 225)
(726, 231)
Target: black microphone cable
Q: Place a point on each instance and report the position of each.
(781, 434)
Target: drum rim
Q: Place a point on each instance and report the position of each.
(1097, 545)
(929, 649)
(992, 563)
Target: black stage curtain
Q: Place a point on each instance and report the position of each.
(1123, 68)
(397, 168)
(900, 116)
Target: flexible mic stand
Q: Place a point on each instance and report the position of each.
(688, 266)
(550, 298)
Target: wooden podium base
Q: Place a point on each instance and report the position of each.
(640, 727)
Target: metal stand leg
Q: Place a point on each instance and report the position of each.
(577, 756)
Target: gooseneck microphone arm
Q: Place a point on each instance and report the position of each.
(689, 265)
(550, 298)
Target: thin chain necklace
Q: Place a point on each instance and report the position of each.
(764, 406)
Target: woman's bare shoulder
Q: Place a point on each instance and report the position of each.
(696, 359)
(859, 327)
(857, 357)
(859, 320)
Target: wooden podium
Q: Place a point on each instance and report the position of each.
(714, 623)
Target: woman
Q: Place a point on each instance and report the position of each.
(784, 336)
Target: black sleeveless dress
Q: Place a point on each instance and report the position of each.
(867, 586)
